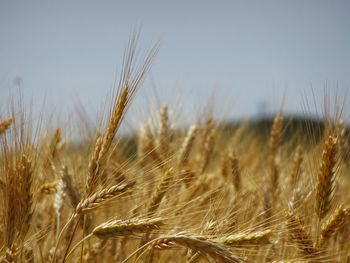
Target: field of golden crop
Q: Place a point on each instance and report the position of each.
(197, 194)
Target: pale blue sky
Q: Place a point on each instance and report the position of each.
(235, 55)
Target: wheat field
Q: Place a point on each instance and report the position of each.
(193, 194)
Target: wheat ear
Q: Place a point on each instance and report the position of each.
(331, 226)
(235, 172)
(147, 145)
(164, 132)
(54, 145)
(300, 236)
(187, 145)
(11, 205)
(28, 255)
(47, 188)
(93, 167)
(199, 244)
(5, 124)
(208, 148)
(117, 227)
(326, 176)
(71, 190)
(160, 191)
(241, 239)
(295, 169)
(274, 144)
(101, 197)
(58, 203)
(25, 171)
(131, 79)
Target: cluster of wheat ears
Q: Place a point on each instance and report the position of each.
(194, 194)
